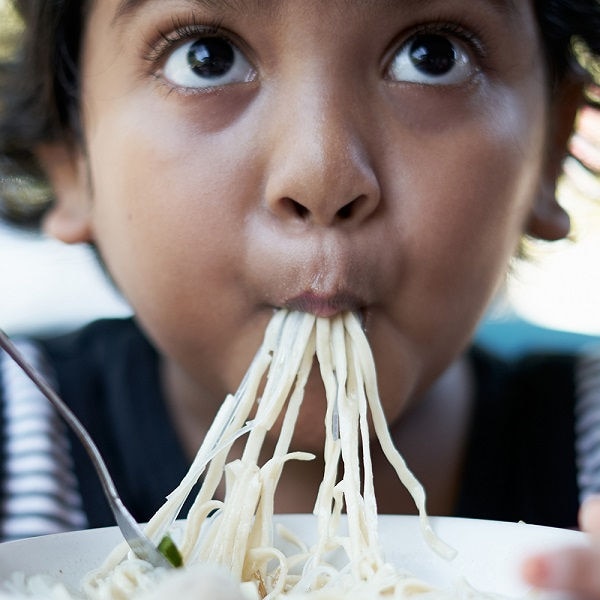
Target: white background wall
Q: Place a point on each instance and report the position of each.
(48, 285)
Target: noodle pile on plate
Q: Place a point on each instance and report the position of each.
(237, 533)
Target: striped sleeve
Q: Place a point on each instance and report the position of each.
(587, 422)
(39, 492)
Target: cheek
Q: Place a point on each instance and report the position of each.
(167, 220)
(488, 182)
(493, 177)
(163, 195)
(460, 216)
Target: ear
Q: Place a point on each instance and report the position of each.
(69, 218)
(548, 220)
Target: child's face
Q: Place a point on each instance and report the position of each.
(377, 155)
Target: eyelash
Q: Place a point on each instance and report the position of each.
(180, 31)
(469, 36)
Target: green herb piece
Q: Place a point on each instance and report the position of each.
(170, 551)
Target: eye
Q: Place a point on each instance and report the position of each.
(206, 62)
(432, 59)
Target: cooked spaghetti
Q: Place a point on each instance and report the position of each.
(237, 532)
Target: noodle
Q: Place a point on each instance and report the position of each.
(237, 533)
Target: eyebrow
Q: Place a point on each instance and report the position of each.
(504, 6)
(127, 8)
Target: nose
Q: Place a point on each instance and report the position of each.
(320, 172)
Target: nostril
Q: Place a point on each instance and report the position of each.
(346, 211)
(324, 213)
(355, 209)
(300, 209)
(295, 208)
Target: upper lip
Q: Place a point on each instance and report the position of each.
(324, 305)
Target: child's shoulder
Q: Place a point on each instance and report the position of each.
(98, 335)
(554, 372)
(100, 357)
(534, 433)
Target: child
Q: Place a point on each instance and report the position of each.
(229, 158)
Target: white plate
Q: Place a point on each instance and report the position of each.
(489, 552)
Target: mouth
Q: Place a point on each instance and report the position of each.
(325, 305)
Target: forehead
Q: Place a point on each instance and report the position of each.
(124, 8)
(121, 16)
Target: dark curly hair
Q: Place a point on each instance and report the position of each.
(39, 84)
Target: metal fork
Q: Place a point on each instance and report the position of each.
(141, 545)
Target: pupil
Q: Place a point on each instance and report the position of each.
(210, 57)
(433, 54)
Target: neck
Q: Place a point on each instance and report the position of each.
(432, 436)
(191, 407)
